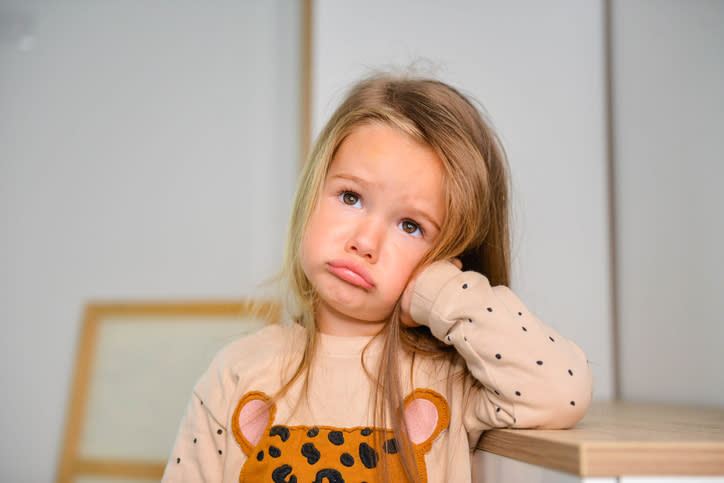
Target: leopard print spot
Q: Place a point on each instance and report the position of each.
(274, 452)
(313, 432)
(311, 453)
(279, 475)
(280, 431)
(336, 438)
(346, 459)
(329, 475)
(368, 455)
(390, 446)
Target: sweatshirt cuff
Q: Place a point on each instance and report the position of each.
(428, 286)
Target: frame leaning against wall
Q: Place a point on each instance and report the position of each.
(136, 365)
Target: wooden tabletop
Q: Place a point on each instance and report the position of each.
(617, 438)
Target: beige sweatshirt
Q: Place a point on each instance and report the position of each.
(531, 378)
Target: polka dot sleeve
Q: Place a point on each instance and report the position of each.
(532, 376)
(200, 447)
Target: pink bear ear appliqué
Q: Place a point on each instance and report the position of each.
(253, 415)
(426, 415)
(421, 420)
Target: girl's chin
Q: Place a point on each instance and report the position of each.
(349, 313)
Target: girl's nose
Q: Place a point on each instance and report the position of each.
(366, 239)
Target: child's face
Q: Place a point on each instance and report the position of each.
(379, 211)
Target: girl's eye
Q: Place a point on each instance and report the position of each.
(350, 198)
(410, 227)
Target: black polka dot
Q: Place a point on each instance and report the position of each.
(346, 459)
(202, 403)
(490, 309)
(573, 403)
(497, 393)
(470, 320)
(313, 432)
(465, 285)
(552, 339)
(219, 431)
(498, 356)
(274, 452)
(465, 339)
(524, 329)
(260, 456)
(570, 372)
(366, 432)
(497, 410)
(520, 313)
(448, 338)
(540, 363)
(336, 438)
(517, 393)
(178, 460)
(194, 440)
(515, 420)
(220, 452)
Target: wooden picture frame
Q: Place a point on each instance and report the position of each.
(136, 365)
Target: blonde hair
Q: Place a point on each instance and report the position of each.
(475, 227)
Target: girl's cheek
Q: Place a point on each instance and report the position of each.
(411, 245)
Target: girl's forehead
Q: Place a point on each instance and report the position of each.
(377, 146)
(387, 159)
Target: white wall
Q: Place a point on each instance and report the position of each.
(669, 152)
(147, 150)
(538, 69)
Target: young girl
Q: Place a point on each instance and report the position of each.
(405, 343)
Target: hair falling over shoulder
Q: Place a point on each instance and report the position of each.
(475, 228)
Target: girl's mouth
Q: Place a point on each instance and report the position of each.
(351, 273)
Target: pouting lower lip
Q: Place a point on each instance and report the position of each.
(351, 274)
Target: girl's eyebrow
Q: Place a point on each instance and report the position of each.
(350, 177)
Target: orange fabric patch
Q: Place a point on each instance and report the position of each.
(313, 453)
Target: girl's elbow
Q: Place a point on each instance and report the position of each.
(574, 406)
(563, 409)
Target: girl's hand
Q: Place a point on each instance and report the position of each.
(406, 298)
